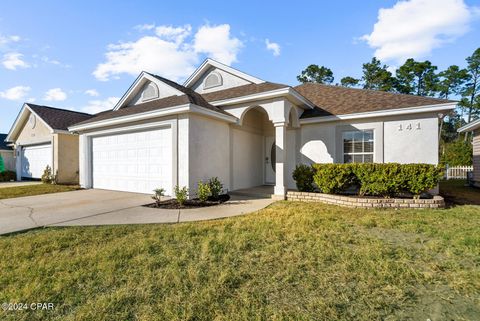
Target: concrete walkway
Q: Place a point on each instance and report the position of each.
(100, 207)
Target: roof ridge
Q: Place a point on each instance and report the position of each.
(61, 109)
(372, 90)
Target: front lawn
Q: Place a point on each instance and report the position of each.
(30, 190)
(290, 261)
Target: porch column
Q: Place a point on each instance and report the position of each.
(281, 158)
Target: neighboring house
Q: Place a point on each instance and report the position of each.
(248, 132)
(475, 127)
(40, 137)
(6, 152)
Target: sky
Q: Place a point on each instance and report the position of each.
(84, 55)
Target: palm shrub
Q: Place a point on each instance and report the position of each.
(158, 194)
(203, 191)
(303, 176)
(181, 194)
(216, 187)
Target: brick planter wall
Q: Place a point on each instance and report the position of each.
(365, 202)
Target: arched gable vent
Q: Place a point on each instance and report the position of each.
(213, 80)
(150, 91)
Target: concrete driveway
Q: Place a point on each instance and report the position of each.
(101, 207)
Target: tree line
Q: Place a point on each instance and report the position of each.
(420, 78)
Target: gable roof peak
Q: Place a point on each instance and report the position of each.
(209, 62)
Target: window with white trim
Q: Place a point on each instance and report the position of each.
(358, 146)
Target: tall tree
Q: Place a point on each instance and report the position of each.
(349, 81)
(316, 74)
(376, 76)
(417, 77)
(471, 92)
(451, 81)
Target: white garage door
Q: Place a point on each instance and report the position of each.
(133, 162)
(35, 159)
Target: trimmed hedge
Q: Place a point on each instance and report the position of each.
(385, 180)
(303, 176)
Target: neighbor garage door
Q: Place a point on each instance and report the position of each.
(35, 159)
(133, 162)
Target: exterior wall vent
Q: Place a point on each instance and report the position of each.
(213, 80)
(150, 92)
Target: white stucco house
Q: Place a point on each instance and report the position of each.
(247, 131)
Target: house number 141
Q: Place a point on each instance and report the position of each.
(408, 127)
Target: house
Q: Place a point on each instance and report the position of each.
(247, 132)
(475, 128)
(41, 138)
(6, 153)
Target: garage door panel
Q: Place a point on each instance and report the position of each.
(35, 159)
(133, 162)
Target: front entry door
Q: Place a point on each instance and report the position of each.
(270, 161)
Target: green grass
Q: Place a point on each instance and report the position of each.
(456, 192)
(290, 261)
(30, 190)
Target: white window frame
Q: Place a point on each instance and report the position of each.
(357, 153)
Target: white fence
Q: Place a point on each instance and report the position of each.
(457, 172)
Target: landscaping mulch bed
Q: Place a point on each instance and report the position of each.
(193, 203)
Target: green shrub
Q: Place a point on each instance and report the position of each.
(7, 176)
(2, 165)
(158, 194)
(216, 187)
(378, 179)
(384, 180)
(333, 178)
(47, 175)
(203, 191)
(419, 178)
(181, 194)
(303, 176)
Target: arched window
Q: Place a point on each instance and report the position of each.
(212, 80)
(150, 91)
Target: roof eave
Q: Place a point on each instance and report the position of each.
(470, 126)
(186, 108)
(382, 113)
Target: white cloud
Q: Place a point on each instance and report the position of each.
(413, 28)
(96, 106)
(55, 94)
(92, 92)
(144, 27)
(273, 46)
(13, 60)
(175, 34)
(15, 93)
(216, 42)
(8, 39)
(169, 51)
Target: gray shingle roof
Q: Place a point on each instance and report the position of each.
(337, 100)
(59, 119)
(3, 144)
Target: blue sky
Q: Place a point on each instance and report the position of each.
(83, 55)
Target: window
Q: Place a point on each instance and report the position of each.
(358, 146)
(212, 80)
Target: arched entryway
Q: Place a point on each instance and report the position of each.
(260, 146)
